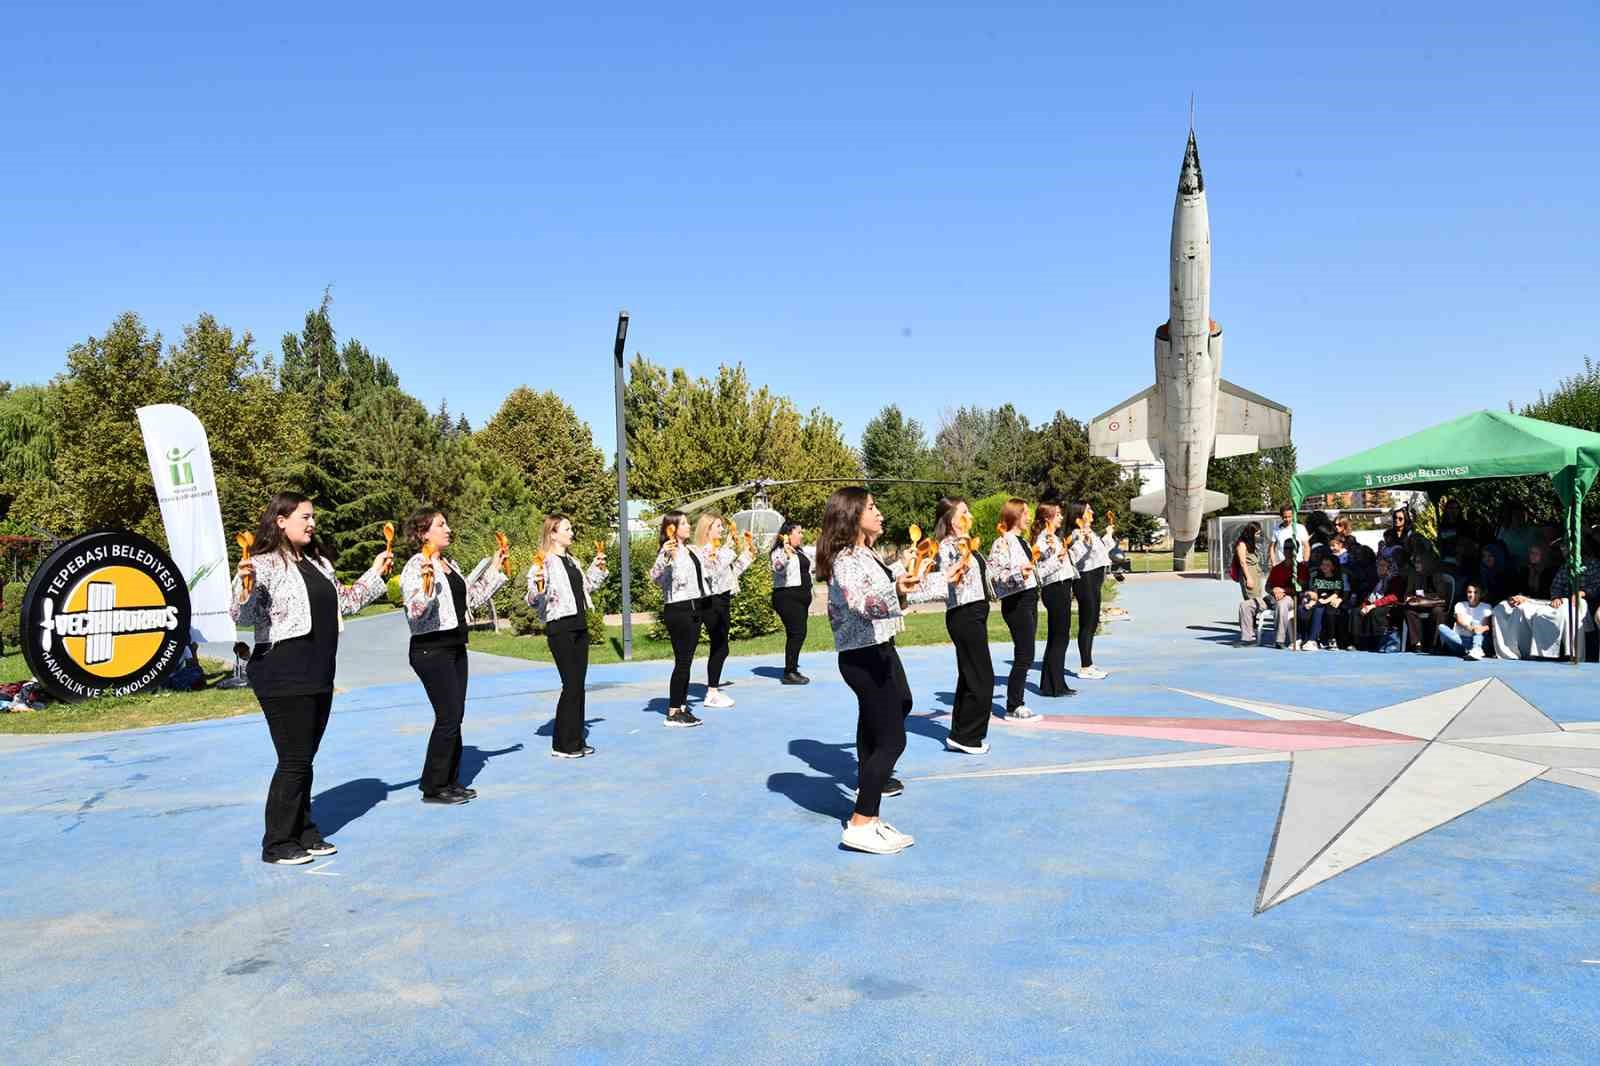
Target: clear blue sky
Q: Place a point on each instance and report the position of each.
(864, 203)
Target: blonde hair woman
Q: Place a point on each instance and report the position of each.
(561, 593)
(966, 619)
(722, 569)
(1011, 571)
(1055, 576)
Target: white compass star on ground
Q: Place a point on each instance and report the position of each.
(1363, 784)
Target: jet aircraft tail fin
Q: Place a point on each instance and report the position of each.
(1154, 503)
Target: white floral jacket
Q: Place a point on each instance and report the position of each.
(1007, 557)
(675, 572)
(1052, 566)
(556, 599)
(863, 604)
(723, 568)
(279, 607)
(1091, 552)
(437, 610)
(786, 568)
(971, 588)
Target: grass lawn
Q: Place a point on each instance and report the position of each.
(381, 607)
(156, 707)
(921, 628)
(1161, 562)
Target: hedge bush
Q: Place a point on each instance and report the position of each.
(11, 621)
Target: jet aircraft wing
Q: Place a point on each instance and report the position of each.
(1130, 430)
(1247, 422)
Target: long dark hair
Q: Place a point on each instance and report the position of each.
(841, 526)
(671, 518)
(1075, 512)
(269, 538)
(943, 515)
(789, 526)
(1247, 535)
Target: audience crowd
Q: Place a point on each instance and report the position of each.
(1473, 590)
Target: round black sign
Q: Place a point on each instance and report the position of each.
(106, 615)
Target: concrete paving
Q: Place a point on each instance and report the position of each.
(682, 896)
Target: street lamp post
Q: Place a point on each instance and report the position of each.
(623, 537)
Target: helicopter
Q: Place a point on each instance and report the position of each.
(761, 520)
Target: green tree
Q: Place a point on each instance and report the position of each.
(963, 445)
(1256, 483)
(541, 437)
(894, 446)
(27, 453)
(1064, 470)
(687, 436)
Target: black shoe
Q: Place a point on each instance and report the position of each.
(681, 719)
(319, 847)
(286, 855)
(470, 793)
(893, 787)
(796, 678)
(587, 750)
(445, 796)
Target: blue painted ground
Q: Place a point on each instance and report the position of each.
(681, 897)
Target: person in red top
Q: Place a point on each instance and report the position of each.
(1378, 609)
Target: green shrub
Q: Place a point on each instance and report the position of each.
(11, 620)
(524, 619)
(596, 621)
(986, 515)
(751, 613)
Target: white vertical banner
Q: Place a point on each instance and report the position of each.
(180, 463)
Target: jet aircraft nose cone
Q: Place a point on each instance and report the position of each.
(1190, 181)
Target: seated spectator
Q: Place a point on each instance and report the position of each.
(1376, 622)
(1428, 595)
(1471, 629)
(1526, 626)
(1515, 532)
(1494, 578)
(1321, 605)
(1588, 590)
(1280, 606)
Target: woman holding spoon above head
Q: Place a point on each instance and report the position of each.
(722, 569)
(1055, 575)
(681, 575)
(287, 589)
(966, 619)
(561, 593)
(791, 595)
(437, 597)
(1090, 555)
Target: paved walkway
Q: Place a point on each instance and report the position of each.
(682, 896)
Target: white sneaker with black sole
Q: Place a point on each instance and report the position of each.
(1091, 673)
(966, 749)
(1021, 712)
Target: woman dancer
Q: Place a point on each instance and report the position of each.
(722, 569)
(681, 575)
(560, 592)
(1090, 555)
(1055, 576)
(1011, 570)
(966, 619)
(436, 610)
(864, 609)
(791, 596)
(288, 591)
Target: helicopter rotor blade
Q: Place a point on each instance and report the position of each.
(710, 498)
(674, 501)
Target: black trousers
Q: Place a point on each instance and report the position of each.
(968, 626)
(296, 724)
(714, 612)
(1057, 599)
(1021, 612)
(792, 605)
(883, 699)
(571, 650)
(443, 671)
(683, 626)
(1087, 590)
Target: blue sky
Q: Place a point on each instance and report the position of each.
(921, 204)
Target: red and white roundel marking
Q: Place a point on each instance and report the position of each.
(1115, 426)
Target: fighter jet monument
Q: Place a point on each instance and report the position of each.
(1190, 414)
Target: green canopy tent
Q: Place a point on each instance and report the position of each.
(1484, 444)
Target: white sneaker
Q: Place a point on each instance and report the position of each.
(1475, 653)
(1021, 711)
(715, 699)
(1091, 673)
(1308, 645)
(890, 833)
(874, 837)
(981, 749)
